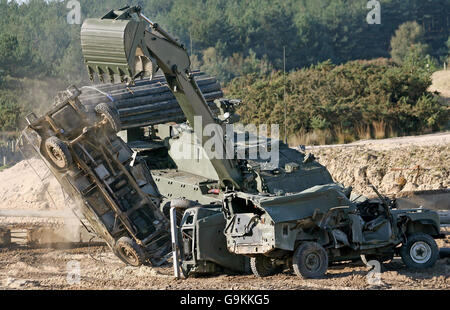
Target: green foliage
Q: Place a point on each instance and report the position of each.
(408, 42)
(448, 50)
(9, 52)
(40, 39)
(227, 68)
(232, 38)
(245, 35)
(319, 123)
(10, 111)
(377, 95)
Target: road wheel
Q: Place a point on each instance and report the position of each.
(420, 251)
(110, 114)
(58, 153)
(129, 252)
(263, 266)
(310, 260)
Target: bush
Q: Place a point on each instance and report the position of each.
(448, 50)
(10, 112)
(360, 99)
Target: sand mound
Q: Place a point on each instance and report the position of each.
(403, 169)
(22, 188)
(441, 83)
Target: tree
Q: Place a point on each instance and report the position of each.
(448, 51)
(342, 99)
(408, 39)
(9, 54)
(10, 112)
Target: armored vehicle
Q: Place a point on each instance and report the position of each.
(114, 192)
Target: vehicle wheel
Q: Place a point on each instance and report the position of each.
(262, 266)
(310, 260)
(420, 251)
(129, 252)
(110, 114)
(58, 153)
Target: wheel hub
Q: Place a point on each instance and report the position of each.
(129, 254)
(312, 261)
(420, 252)
(56, 154)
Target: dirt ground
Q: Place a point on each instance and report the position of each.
(44, 268)
(441, 83)
(22, 267)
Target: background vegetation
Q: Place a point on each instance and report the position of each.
(327, 103)
(40, 54)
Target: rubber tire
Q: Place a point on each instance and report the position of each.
(110, 114)
(138, 255)
(262, 266)
(54, 145)
(405, 251)
(299, 260)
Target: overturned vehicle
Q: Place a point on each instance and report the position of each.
(306, 231)
(112, 191)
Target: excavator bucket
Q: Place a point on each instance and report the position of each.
(113, 48)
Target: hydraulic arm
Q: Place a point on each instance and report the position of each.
(122, 47)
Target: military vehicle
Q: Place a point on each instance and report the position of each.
(113, 192)
(222, 200)
(323, 224)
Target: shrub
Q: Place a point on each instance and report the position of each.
(356, 100)
(10, 112)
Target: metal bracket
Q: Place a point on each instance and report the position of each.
(174, 233)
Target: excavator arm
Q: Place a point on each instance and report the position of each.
(122, 47)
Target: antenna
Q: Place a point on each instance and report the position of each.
(284, 94)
